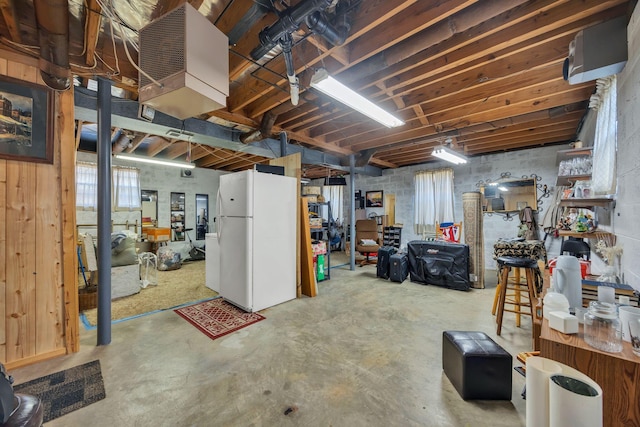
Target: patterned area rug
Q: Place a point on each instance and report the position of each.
(216, 317)
(67, 390)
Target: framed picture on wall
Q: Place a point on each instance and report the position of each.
(374, 199)
(26, 128)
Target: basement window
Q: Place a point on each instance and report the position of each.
(433, 200)
(125, 187)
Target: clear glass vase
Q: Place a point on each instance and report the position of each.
(610, 275)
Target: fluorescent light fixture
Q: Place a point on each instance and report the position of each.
(503, 188)
(174, 163)
(322, 81)
(449, 155)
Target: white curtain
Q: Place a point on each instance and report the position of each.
(335, 195)
(433, 199)
(86, 185)
(126, 188)
(603, 177)
(125, 184)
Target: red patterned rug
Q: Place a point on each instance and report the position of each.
(216, 317)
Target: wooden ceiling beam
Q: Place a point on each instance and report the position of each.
(93, 20)
(535, 78)
(524, 144)
(535, 53)
(387, 138)
(402, 56)
(136, 141)
(511, 134)
(221, 157)
(200, 151)
(559, 134)
(8, 10)
(307, 55)
(505, 105)
(521, 24)
(177, 149)
(405, 24)
(164, 6)
(157, 145)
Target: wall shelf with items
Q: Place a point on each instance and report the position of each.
(392, 236)
(587, 203)
(321, 233)
(574, 152)
(177, 217)
(585, 235)
(573, 165)
(570, 179)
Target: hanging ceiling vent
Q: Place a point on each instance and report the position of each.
(188, 57)
(597, 51)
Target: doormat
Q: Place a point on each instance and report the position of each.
(217, 317)
(67, 390)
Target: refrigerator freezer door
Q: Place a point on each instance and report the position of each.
(236, 194)
(236, 253)
(274, 240)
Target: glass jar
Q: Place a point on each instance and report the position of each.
(602, 327)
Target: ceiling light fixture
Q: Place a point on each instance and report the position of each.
(322, 81)
(174, 163)
(449, 155)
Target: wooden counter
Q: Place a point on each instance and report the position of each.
(617, 373)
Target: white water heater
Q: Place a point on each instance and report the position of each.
(188, 57)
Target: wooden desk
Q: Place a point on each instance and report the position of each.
(617, 373)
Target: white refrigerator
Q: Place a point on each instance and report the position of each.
(257, 239)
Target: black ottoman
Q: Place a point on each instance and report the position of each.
(476, 365)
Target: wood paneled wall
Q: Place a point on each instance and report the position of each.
(38, 260)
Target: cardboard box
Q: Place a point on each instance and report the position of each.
(319, 247)
(158, 234)
(311, 189)
(311, 198)
(315, 222)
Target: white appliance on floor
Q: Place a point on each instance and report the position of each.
(212, 260)
(256, 226)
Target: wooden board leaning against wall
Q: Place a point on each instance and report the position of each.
(38, 261)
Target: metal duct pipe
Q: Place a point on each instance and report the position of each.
(294, 83)
(334, 34)
(52, 17)
(289, 21)
(122, 141)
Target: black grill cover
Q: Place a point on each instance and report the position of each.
(439, 263)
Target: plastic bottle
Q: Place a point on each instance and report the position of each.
(320, 273)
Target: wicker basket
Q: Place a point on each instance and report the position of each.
(88, 298)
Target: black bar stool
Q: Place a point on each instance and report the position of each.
(523, 297)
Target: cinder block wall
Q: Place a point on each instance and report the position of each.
(165, 180)
(539, 161)
(624, 222)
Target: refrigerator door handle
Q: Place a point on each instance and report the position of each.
(219, 214)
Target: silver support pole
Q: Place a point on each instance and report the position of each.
(104, 211)
(352, 203)
(283, 144)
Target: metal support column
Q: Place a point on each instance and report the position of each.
(283, 144)
(352, 204)
(104, 211)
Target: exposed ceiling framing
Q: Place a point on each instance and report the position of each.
(485, 75)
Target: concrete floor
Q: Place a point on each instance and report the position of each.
(363, 352)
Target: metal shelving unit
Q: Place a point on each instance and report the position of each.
(317, 207)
